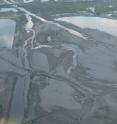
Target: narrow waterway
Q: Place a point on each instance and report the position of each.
(71, 79)
(17, 106)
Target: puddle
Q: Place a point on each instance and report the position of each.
(8, 9)
(103, 24)
(7, 31)
(28, 1)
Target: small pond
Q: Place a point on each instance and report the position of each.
(7, 31)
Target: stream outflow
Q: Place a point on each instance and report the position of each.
(19, 102)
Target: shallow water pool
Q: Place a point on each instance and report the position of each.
(7, 31)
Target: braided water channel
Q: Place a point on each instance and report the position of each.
(19, 102)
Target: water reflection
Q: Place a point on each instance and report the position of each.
(7, 30)
(103, 24)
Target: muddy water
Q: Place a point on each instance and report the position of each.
(103, 24)
(7, 30)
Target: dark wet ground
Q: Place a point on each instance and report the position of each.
(58, 73)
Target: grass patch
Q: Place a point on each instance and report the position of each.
(18, 16)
